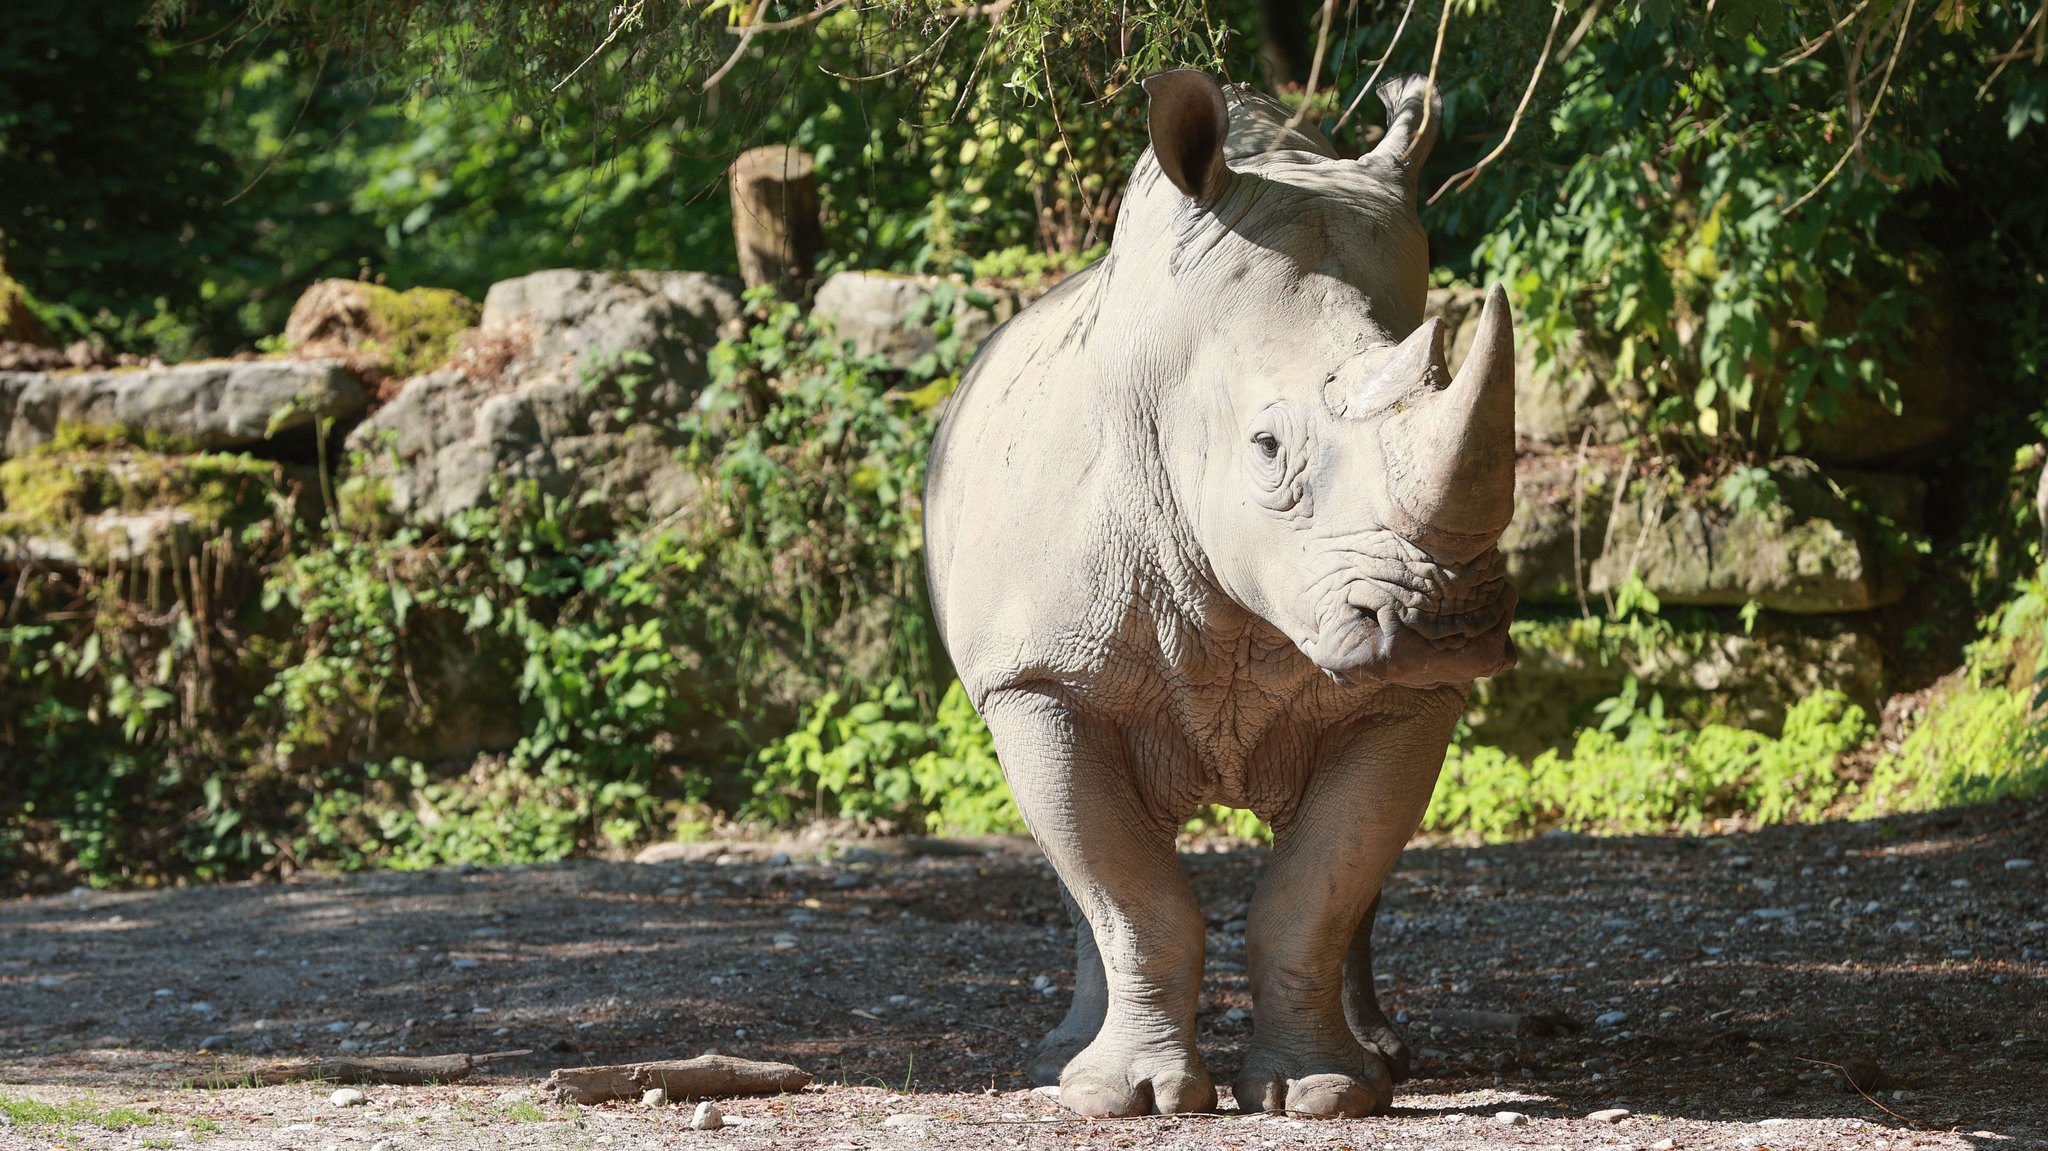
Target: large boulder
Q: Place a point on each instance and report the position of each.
(574, 381)
(1803, 541)
(892, 317)
(193, 407)
(385, 331)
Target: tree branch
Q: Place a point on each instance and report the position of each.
(1464, 179)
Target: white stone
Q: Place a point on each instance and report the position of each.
(1511, 1118)
(654, 1097)
(1610, 1115)
(348, 1097)
(707, 1117)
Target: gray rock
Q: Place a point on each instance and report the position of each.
(1610, 1019)
(2041, 510)
(1609, 1115)
(214, 1043)
(707, 1117)
(654, 1097)
(1511, 1118)
(348, 1097)
(1830, 543)
(205, 406)
(574, 381)
(888, 315)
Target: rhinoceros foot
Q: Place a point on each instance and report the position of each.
(1105, 1083)
(1274, 1081)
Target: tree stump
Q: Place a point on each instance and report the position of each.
(775, 217)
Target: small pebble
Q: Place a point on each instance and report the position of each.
(166, 993)
(779, 859)
(1609, 1115)
(465, 964)
(1772, 1122)
(707, 1117)
(846, 879)
(2018, 864)
(1665, 1144)
(200, 1008)
(1511, 1118)
(905, 1119)
(654, 1097)
(348, 1097)
(213, 1043)
(785, 943)
(1610, 1019)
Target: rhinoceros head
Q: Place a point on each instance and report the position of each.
(1340, 481)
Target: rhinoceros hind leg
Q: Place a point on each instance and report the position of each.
(1361, 1002)
(1084, 1015)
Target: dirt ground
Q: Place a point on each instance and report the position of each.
(1712, 978)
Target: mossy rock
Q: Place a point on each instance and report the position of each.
(392, 333)
(18, 321)
(85, 504)
(1704, 664)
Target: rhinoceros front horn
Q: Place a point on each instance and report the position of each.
(1451, 454)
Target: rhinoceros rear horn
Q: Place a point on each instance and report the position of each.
(1189, 121)
(1406, 145)
(1452, 453)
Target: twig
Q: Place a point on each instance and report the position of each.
(1376, 66)
(812, 17)
(1579, 523)
(931, 48)
(748, 27)
(2016, 52)
(1863, 129)
(626, 17)
(311, 91)
(1315, 67)
(1436, 56)
(1851, 1081)
(1585, 25)
(1814, 45)
(1464, 179)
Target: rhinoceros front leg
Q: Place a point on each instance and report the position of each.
(1072, 777)
(1331, 854)
(1083, 1021)
(1369, 1025)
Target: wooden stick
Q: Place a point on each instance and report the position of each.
(388, 1070)
(707, 1076)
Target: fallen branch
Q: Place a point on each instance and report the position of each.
(707, 1076)
(386, 1070)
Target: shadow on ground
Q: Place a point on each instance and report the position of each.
(1714, 979)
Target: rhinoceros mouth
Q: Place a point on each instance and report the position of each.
(1416, 624)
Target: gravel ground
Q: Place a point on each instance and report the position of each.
(1712, 979)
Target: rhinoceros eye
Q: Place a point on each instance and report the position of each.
(1266, 443)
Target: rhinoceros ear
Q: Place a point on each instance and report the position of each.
(1406, 145)
(1189, 121)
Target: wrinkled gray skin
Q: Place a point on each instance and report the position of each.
(1212, 523)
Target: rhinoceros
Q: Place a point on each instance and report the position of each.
(1213, 523)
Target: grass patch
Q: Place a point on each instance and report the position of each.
(74, 1113)
(525, 1111)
